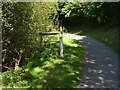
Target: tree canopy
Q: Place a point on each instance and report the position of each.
(89, 13)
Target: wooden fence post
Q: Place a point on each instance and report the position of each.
(61, 43)
(60, 39)
(40, 38)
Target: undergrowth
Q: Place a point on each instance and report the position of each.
(45, 68)
(108, 36)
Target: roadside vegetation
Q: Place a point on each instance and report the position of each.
(96, 20)
(25, 63)
(106, 35)
(45, 68)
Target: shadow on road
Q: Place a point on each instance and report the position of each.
(101, 64)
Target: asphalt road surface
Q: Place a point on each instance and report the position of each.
(100, 64)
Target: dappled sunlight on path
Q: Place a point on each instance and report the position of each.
(101, 64)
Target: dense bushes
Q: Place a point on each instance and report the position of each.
(89, 13)
(21, 23)
(16, 30)
(44, 13)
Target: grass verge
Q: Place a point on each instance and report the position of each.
(45, 69)
(108, 36)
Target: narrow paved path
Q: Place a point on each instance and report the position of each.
(100, 66)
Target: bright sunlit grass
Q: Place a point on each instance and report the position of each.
(45, 68)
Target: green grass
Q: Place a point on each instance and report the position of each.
(45, 68)
(108, 36)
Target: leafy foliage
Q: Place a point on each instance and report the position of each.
(21, 24)
(45, 69)
(17, 29)
(13, 79)
(88, 13)
(41, 66)
(43, 15)
(83, 18)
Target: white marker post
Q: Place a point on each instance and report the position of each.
(61, 43)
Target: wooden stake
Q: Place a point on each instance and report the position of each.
(61, 43)
(40, 38)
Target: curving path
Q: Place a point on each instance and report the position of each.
(100, 66)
